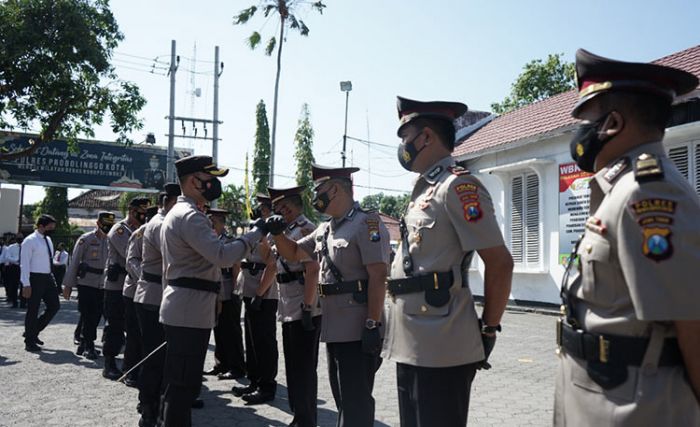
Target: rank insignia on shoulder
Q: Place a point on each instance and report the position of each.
(120, 230)
(657, 243)
(472, 211)
(81, 242)
(616, 169)
(373, 230)
(458, 170)
(648, 167)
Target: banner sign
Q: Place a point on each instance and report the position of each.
(573, 207)
(94, 164)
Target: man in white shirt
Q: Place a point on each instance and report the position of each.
(38, 284)
(60, 262)
(10, 259)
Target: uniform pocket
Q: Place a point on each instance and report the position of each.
(595, 253)
(415, 305)
(623, 392)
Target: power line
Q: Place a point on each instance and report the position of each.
(140, 64)
(364, 141)
(155, 59)
(141, 70)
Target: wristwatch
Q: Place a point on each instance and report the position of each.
(372, 324)
(306, 307)
(485, 329)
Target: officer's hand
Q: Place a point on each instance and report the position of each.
(306, 320)
(256, 303)
(371, 341)
(276, 224)
(66, 292)
(489, 341)
(27, 292)
(260, 225)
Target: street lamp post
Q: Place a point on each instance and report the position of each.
(345, 87)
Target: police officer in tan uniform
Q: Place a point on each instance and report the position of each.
(115, 273)
(433, 332)
(256, 281)
(149, 291)
(353, 250)
(193, 257)
(629, 347)
(298, 310)
(86, 272)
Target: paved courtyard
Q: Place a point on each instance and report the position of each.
(58, 388)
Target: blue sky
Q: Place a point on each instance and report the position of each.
(460, 50)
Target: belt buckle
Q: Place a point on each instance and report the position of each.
(559, 326)
(359, 286)
(603, 349)
(435, 281)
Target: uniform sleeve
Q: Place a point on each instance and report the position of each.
(373, 241)
(197, 233)
(119, 240)
(659, 251)
(308, 242)
(134, 254)
(25, 255)
(470, 209)
(72, 271)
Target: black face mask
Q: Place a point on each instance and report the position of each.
(587, 144)
(211, 190)
(321, 201)
(407, 153)
(105, 228)
(48, 233)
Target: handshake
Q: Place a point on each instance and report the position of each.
(274, 225)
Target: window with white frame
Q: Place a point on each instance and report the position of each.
(686, 157)
(525, 220)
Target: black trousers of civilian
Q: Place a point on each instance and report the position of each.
(59, 271)
(301, 361)
(12, 273)
(113, 336)
(152, 335)
(228, 337)
(79, 326)
(351, 374)
(43, 289)
(132, 350)
(434, 396)
(184, 362)
(90, 307)
(261, 350)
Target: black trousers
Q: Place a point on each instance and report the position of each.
(184, 362)
(132, 350)
(152, 335)
(351, 374)
(43, 289)
(12, 273)
(90, 307)
(434, 396)
(300, 361)
(114, 323)
(59, 271)
(79, 326)
(228, 337)
(262, 354)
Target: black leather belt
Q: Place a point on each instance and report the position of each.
(424, 282)
(196, 284)
(94, 270)
(290, 277)
(613, 349)
(155, 278)
(253, 267)
(346, 287)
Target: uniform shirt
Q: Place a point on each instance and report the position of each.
(10, 255)
(60, 258)
(91, 250)
(133, 262)
(192, 250)
(118, 238)
(640, 263)
(450, 215)
(151, 262)
(248, 283)
(292, 293)
(352, 245)
(35, 256)
(227, 279)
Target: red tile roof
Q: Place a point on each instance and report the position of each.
(97, 199)
(392, 225)
(550, 115)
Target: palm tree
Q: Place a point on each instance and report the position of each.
(286, 10)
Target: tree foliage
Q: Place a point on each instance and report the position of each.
(394, 206)
(540, 79)
(55, 71)
(287, 12)
(261, 154)
(55, 203)
(304, 156)
(233, 200)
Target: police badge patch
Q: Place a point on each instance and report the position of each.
(373, 230)
(657, 243)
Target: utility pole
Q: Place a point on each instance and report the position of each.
(170, 166)
(215, 125)
(345, 87)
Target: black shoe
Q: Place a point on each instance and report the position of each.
(239, 391)
(76, 340)
(231, 375)
(80, 350)
(198, 404)
(110, 371)
(258, 397)
(131, 382)
(149, 416)
(213, 371)
(90, 354)
(38, 341)
(30, 346)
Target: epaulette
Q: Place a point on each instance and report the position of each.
(301, 222)
(458, 170)
(647, 167)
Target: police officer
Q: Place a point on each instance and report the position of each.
(299, 310)
(353, 250)
(115, 273)
(630, 353)
(147, 298)
(256, 281)
(433, 333)
(154, 176)
(86, 271)
(193, 257)
(228, 336)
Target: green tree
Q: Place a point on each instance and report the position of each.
(261, 155)
(394, 206)
(233, 200)
(286, 11)
(55, 71)
(540, 79)
(304, 156)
